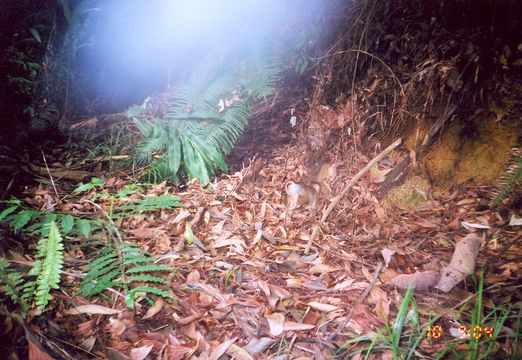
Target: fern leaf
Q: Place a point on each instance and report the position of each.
(84, 227)
(9, 210)
(102, 269)
(142, 291)
(23, 218)
(137, 259)
(148, 268)
(510, 181)
(153, 290)
(102, 283)
(10, 282)
(147, 278)
(67, 224)
(51, 267)
(174, 151)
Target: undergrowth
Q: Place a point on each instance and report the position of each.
(474, 335)
(33, 289)
(119, 265)
(124, 267)
(510, 181)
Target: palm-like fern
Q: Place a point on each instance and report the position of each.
(202, 122)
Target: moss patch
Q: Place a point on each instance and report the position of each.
(409, 195)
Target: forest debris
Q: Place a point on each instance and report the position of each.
(322, 307)
(275, 322)
(422, 280)
(347, 187)
(462, 263)
(396, 176)
(75, 175)
(91, 309)
(221, 349)
(469, 225)
(140, 353)
(257, 346)
(154, 309)
(515, 221)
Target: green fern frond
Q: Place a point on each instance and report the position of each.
(142, 291)
(28, 290)
(23, 218)
(148, 268)
(147, 278)
(164, 201)
(36, 221)
(50, 254)
(44, 275)
(10, 281)
(12, 206)
(510, 181)
(111, 267)
(203, 121)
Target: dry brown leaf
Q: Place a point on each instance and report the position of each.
(322, 307)
(237, 242)
(116, 328)
(321, 269)
(275, 322)
(264, 286)
(154, 309)
(182, 215)
(88, 343)
(140, 353)
(193, 277)
(91, 309)
(257, 346)
(239, 353)
(423, 223)
(344, 285)
(468, 225)
(379, 297)
(294, 326)
(221, 349)
(85, 329)
(387, 256)
(420, 280)
(462, 263)
(36, 350)
(315, 285)
(144, 232)
(294, 283)
(279, 292)
(174, 349)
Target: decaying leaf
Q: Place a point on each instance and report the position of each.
(91, 309)
(275, 321)
(462, 263)
(420, 280)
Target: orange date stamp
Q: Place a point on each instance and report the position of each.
(476, 332)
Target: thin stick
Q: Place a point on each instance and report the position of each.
(50, 176)
(357, 176)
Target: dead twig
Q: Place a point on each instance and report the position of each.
(50, 176)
